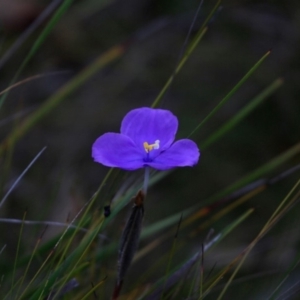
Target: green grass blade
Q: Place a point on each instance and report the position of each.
(17, 251)
(88, 295)
(39, 41)
(31, 78)
(179, 67)
(287, 274)
(67, 267)
(278, 213)
(258, 173)
(83, 218)
(31, 28)
(187, 265)
(242, 114)
(74, 258)
(29, 264)
(165, 223)
(231, 93)
(235, 223)
(191, 47)
(21, 176)
(171, 254)
(62, 94)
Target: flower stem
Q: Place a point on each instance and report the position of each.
(146, 180)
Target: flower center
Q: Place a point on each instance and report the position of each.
(150, 147)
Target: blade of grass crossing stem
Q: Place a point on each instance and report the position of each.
(52, 102)
(238, 117)
(278, 213)
(42, 37)
(231, 93)
(191, 47)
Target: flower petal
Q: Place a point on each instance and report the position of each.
(148, 125)
(117, 150)
(181, 154)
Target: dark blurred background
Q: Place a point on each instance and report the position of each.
(154, 31)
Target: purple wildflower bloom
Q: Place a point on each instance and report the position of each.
(146, 139)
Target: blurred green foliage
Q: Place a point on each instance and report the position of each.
(151, 35)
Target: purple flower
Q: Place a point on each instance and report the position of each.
(146, 139)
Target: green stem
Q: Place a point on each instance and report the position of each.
(146, 180)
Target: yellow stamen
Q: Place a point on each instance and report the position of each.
(150, 147)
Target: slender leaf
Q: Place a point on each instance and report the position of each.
(237, 118)
(231, 93)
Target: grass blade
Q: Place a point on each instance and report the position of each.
(186, 267)
(238, 117)
(258, 173)
(187, 54)
(231, 93)
(278, 213)
(62, 93)
(21, 176)
(39, 41)
(39, 21)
